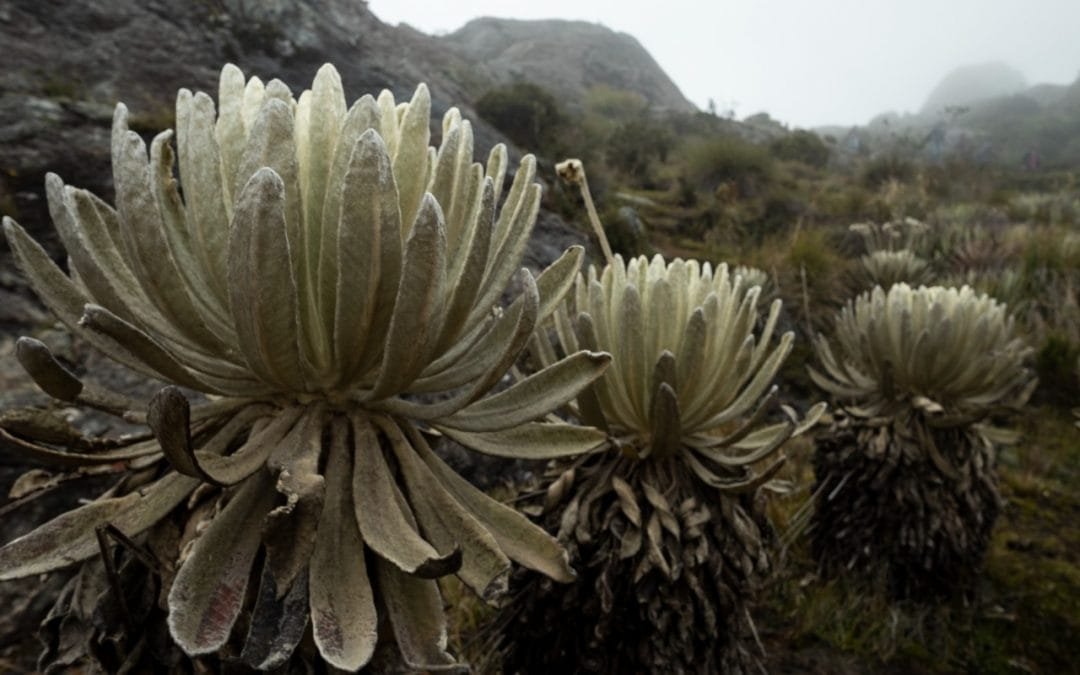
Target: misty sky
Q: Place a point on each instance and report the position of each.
(807, 62)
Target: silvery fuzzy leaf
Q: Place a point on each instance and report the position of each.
(466, 202)
(415, 609)
(496, 168)
(254, 96)
(143, 233)
(761, 380)
(517, 201)
(503, 259)
(417, 311)
(751, 424)
(101, 269)
(316, 141)
(60, 295)
(71, 538)
(750, 482)
(411, 156)
(517, 537)
(181, 327)
(766, 445)
(200, 173)
(612, 401)
(629, 352)
(534, 440)
(271, 143)
(362, 117)
(448, 524)
(691, 352)
(208, 592)
(343, 617)
(490, 364)
(445, 176)
(368, 258)
(132, 343)
(209, 299)
(229, 129)
(467, 271)
(385, 524)
(262, 288)
(251, 455)
(532, 397)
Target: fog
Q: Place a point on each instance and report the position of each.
(808, 62)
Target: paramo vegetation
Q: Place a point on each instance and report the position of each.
(808, 395)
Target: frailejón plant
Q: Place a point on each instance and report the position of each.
(890, 254)
(885, 268)
(665, 524)
(326, 285)
(905, 474)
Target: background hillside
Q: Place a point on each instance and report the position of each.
(568, 58)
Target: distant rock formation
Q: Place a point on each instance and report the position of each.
(970, 84)
(568, 58)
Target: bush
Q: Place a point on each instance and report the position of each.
(528, 114)
(801, 146)
(1055, 365)
(634, 146)
(887, 168)
(728, 159)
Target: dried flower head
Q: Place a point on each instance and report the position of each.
(330, 283)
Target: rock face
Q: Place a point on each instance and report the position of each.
(567, 58)
(68, 64)
(970, 84)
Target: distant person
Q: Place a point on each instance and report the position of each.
(1032, 160)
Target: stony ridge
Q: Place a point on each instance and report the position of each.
(568, 58)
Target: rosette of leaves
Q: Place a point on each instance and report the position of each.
(905, 473)
(890, 254)
(885, 268)
(903, 233)
(325, 287)
(752, 276)
(664, 525)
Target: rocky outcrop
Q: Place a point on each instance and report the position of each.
(568, 58)
(971, 84)
(67, 64)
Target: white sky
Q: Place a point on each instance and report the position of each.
(806, 62)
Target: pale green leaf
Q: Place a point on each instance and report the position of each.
(208, 591)
(533, 397)
(385, 525)
(70, 537)
(262, 288)
(343, 618)
(517, 537)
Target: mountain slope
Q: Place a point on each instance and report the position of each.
(568, 58)
(973, 83)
